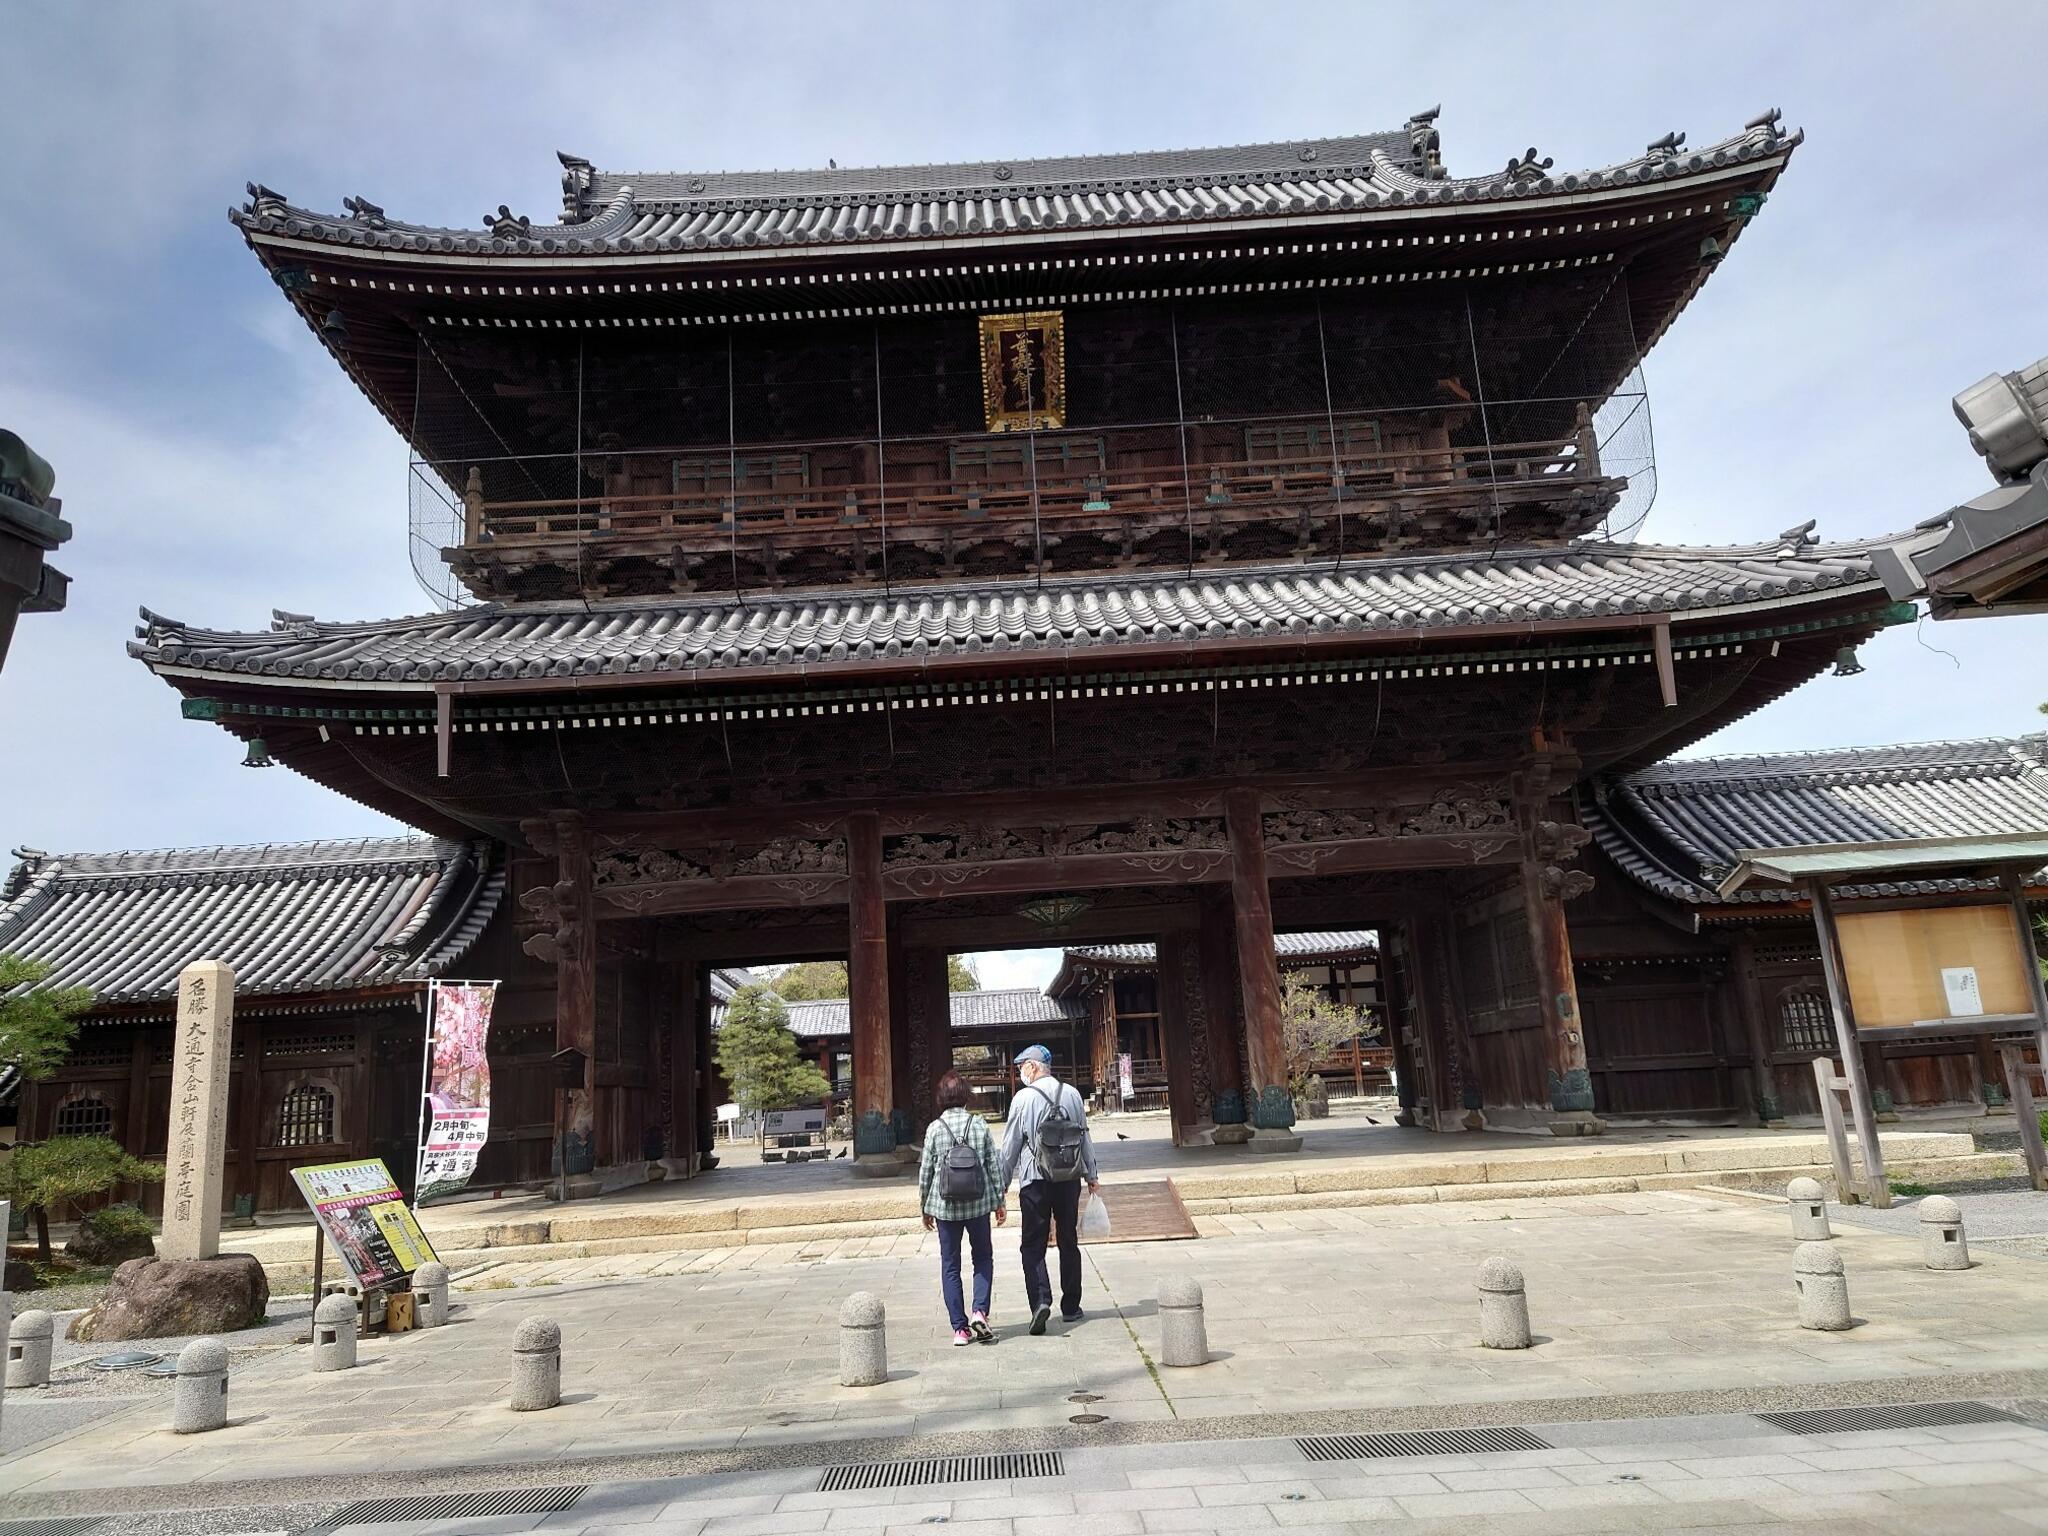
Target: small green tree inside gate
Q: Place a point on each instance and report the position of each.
(758, 1055)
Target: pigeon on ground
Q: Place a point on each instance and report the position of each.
(1120, 1136)
(840, 1153)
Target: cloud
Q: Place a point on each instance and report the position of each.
(216, 464)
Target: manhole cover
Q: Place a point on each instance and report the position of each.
(163, 1368)
(125, 1360)
(1088, 1418)
(1085, 1397)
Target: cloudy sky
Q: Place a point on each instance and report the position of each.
(216, 465)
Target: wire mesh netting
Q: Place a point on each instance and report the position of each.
(749, 455)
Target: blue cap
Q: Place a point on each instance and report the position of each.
(1037, 1053)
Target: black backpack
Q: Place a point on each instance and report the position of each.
(962, 1178)
(1057, 1141)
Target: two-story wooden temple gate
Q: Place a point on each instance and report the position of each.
(877, 561)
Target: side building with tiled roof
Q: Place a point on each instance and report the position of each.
(333, 945)
(1703, 1006)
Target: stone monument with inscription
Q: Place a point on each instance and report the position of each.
(200, 1058)
(191, 1287)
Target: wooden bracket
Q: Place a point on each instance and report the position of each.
(1667, 675)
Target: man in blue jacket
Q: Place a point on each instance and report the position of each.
(1049, 1202)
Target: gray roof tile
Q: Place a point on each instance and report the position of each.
(709, 212)
(1302, 948)
(1675, 827)
(575, 639)
(288, 918)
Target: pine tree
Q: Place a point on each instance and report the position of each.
(36, 1025)
(758, 1055)
(37, 1177)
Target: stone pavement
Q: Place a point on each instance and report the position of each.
(1644, 1304)
(1728, 1474)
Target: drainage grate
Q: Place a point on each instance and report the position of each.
(1419, 1442)
(942, 1469)
(455, 1506)
(56, 1525)
(1846, 1421)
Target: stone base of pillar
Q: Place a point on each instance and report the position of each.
(1475, 1120)
(1272, 1142)
(1231, 1133)
(1201, 1134)
(1578, 1122)
(1405, 1115)
(880, 1165)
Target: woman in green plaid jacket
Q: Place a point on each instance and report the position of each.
(958, 1125)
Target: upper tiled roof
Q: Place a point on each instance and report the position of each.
(683, 213)
(1403, 593)
(998, 1008)
(288, 918)
(1676, 827)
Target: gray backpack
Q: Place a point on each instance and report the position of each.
(962, 1178)
(1057, 1141)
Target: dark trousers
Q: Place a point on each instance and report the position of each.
(1052, 1207)
(949, 1266)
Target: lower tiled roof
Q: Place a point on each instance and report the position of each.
(1300, 948)
(288, 918)
(995, 1008)
(1675, 827)
(1397, 593)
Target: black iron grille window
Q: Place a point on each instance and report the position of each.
(1803, 1023)
(307, 1118)
(84, 1117)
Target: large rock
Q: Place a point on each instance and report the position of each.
(167, 1298)
(111, 1239)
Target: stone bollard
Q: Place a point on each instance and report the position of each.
(1942, 1241)
(334, 1334)
(1183, 1336)
(1809, 1204)
(536, 1365)
(430, 1295)
(28, 1350)
(199, 1397)
(863, 1341)
(1823, 1287)
(1503, 1306)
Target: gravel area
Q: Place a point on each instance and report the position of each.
(1989, 1211)
(71, 1376)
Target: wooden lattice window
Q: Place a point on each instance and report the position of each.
(88, 1116)
(340, 1044)
(98, 1054)
(1805, 1022)
(1307, 444)
(306, 1118)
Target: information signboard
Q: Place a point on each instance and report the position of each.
(366, 1220)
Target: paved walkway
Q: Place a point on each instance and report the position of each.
(1645, 1304)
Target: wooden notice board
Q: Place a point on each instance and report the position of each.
(1894, 963)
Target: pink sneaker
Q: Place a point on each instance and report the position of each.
(961, 1336)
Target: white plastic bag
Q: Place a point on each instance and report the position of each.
(1095, 1218)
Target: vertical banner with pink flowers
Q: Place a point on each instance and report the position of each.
(456, 1117)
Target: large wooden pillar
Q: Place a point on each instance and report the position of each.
(576, 989)
(925, 1005)
(1223, 1003)
(1269, 1101)
(1180, 1008)
(867, 969)
(1569, 1084)
(1756, 1031)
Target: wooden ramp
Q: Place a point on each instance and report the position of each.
(1148, 1212)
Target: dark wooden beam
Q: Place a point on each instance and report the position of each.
(867, 965)
(1271, 1103)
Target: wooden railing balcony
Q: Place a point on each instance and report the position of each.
(901, 528)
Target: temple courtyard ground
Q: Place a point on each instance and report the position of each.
(1358, 1158)
(701, 1394)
